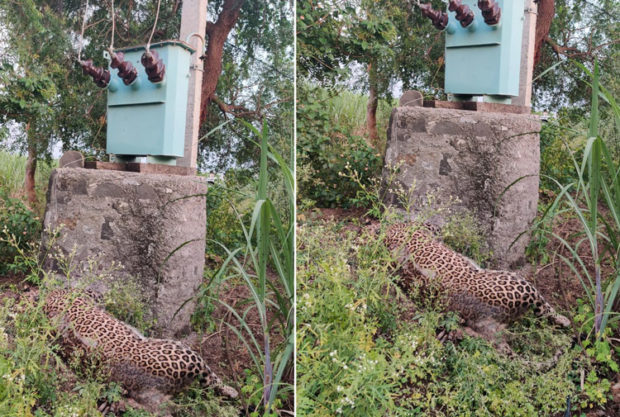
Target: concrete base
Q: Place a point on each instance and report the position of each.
(152, 225)
(472, 157)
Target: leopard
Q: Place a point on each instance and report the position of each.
(487, 300)
(150, 370)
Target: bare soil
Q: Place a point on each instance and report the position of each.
(224, 352)
(556, 280)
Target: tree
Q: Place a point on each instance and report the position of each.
(217, 33)
(32, 75)
(580, 30)
(256, 84)
(390, 39)
(546, 12)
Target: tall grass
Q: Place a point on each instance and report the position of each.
(13, 174)
(597, 186)
(348, 109)
(269, 250)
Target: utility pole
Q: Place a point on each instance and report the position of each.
(527, 55)
(193, 20)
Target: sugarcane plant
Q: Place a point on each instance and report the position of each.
(266, 263)
(594, 199)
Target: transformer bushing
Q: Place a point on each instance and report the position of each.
(101, 76)
(462, 12)
(127, 72)
(439, 18)
(147, 106)
(491, 11)
(154, 66)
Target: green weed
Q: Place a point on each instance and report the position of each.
(364, 349)
(20, 228)
(330, 135)
(463, 234)
(268, 245)
(125, 301)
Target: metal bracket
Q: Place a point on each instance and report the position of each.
(199, 36)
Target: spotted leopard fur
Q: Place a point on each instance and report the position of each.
(151, 370)
(479, 295)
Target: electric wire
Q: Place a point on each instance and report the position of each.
(111, 48)
(82, 32)
(148, 44)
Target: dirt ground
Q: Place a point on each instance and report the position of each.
(222, 350)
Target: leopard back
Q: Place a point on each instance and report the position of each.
(469, 289)
(134, 361)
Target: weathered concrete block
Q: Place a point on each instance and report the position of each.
(153, 225)
(71, 159)
(411, 98)
(473, 157)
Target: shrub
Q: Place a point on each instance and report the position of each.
(228, 199)
(462, 233)
(555, 159)
(324, 148)
(19, 229)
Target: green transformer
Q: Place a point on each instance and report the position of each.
(483, 57)
(147, 118)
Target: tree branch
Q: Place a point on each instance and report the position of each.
(242, 111)
(573, 52)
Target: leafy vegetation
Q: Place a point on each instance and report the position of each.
(366, 349)
(20, 228)
(596, 186)
(331, 137)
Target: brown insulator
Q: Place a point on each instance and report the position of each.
(491, 12)
(101, 76)
(463, 13)
(154, 66)
(125, 70)
(439, 19)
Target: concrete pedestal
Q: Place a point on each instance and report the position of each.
(152, 225)
(473, 157)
